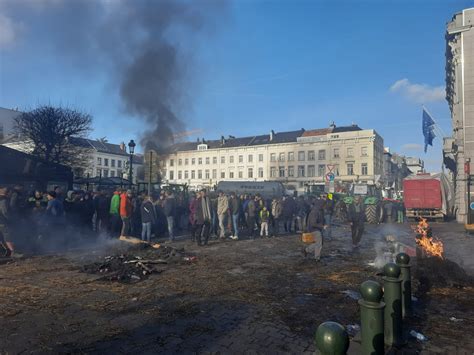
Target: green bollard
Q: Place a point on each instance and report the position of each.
(393, 329)
(371, 318)
(403, 260)
(332, 338)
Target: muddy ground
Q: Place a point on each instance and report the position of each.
(257, 296)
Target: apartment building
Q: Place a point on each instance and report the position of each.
(295, 158)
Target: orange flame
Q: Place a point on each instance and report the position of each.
(432, 245)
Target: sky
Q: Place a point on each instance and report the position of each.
(260, 65)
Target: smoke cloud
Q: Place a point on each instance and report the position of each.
(145, 47)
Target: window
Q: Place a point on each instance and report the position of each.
(322, 154)
(223, 161)
(193, 174)
(231, 174)
(97, 172)
(106, 162)
(199, 161)
(231, 159)
(350, 152)
(241, 158)
(171, 175)
(335, 153)
(301, 170)
(222, 174)
(207, 174)
(250, 173)
(350, 169)
(311, 155)
(214, 173)
(214, 160)
(241, 174)
(311, 171)
(180, 162)
(281, 171)
(106, 173)
(260, 172)
(281, 157)
(250, 158)
(364, 169)
(291, 156)
(112, 163)
(363, 151)
(186, 174)
(273, 157)
(208, 160)
(199, 174)
(273, 172)
(260, 157)
(112, 173)
(186, 161)
(193, 161)
(321, 169)
(300, 156)
(291, 171)
(99, 161)
(171, 162)
(180, 174)
(119, 164)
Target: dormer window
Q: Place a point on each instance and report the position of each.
(202, 147)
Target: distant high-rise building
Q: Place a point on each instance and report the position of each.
(459, 149)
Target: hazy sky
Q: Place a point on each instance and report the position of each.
(256, 66)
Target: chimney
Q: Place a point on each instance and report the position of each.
(272, 134)
(222, 140)
(198, 140)
(123, 147)
(332, 125)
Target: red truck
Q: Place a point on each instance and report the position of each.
(428, 196)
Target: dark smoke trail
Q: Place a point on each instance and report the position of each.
(143, 46)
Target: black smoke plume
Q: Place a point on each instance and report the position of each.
(145, 47)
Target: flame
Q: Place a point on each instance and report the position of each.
(430, 245)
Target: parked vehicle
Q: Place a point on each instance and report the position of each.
(267, 189)
(428, 196)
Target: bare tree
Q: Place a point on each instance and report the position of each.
(52, 132)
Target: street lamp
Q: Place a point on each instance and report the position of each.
(131, 149)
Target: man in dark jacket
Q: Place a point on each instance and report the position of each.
(169, 206)
(147, 210)
(203, 218)
(328, 210)
(5, 235)
(315, 225)
(235, 208)
(356, 214)
(251, 217)
(289, 210)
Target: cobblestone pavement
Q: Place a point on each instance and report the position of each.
(255, 297)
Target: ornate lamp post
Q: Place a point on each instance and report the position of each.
(131, 149)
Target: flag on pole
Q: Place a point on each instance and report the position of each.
(428, 129)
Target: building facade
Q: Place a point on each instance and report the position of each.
(394, 171)
(7, 120)
(296, 158)
(459, 150)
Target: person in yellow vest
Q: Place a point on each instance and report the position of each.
(264, 218)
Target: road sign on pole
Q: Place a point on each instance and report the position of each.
(330, 177)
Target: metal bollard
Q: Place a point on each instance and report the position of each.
(403, 260)
(332, 338)
(393, 329)
(371, 318)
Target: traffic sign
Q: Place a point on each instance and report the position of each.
(471, 205)
(330, 177)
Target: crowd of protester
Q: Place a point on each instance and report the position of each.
(205, 215)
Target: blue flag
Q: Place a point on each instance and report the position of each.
(428, 129)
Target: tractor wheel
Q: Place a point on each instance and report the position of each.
(372, 214)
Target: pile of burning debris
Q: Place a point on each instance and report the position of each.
(137, 262)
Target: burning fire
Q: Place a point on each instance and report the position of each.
(424, 239)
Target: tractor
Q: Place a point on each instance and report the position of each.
(372, 201)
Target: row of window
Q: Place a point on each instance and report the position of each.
(281, 172)
(290, 156)
(106, 173)
(112, 162)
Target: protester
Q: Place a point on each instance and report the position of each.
(264, 218)
(276, 215)
(203, 218)
(315, 225)
(6, 237)
(236, 209)
(126, 212)
(148, 217)
(101, 204)
(114, 212)
(169, 205)
(251, 215)
(328, 210)
(222, 208)
(192, 216)
(356, 214)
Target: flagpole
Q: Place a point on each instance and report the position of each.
(440, 130)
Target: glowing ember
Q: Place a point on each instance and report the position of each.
(430, 245)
